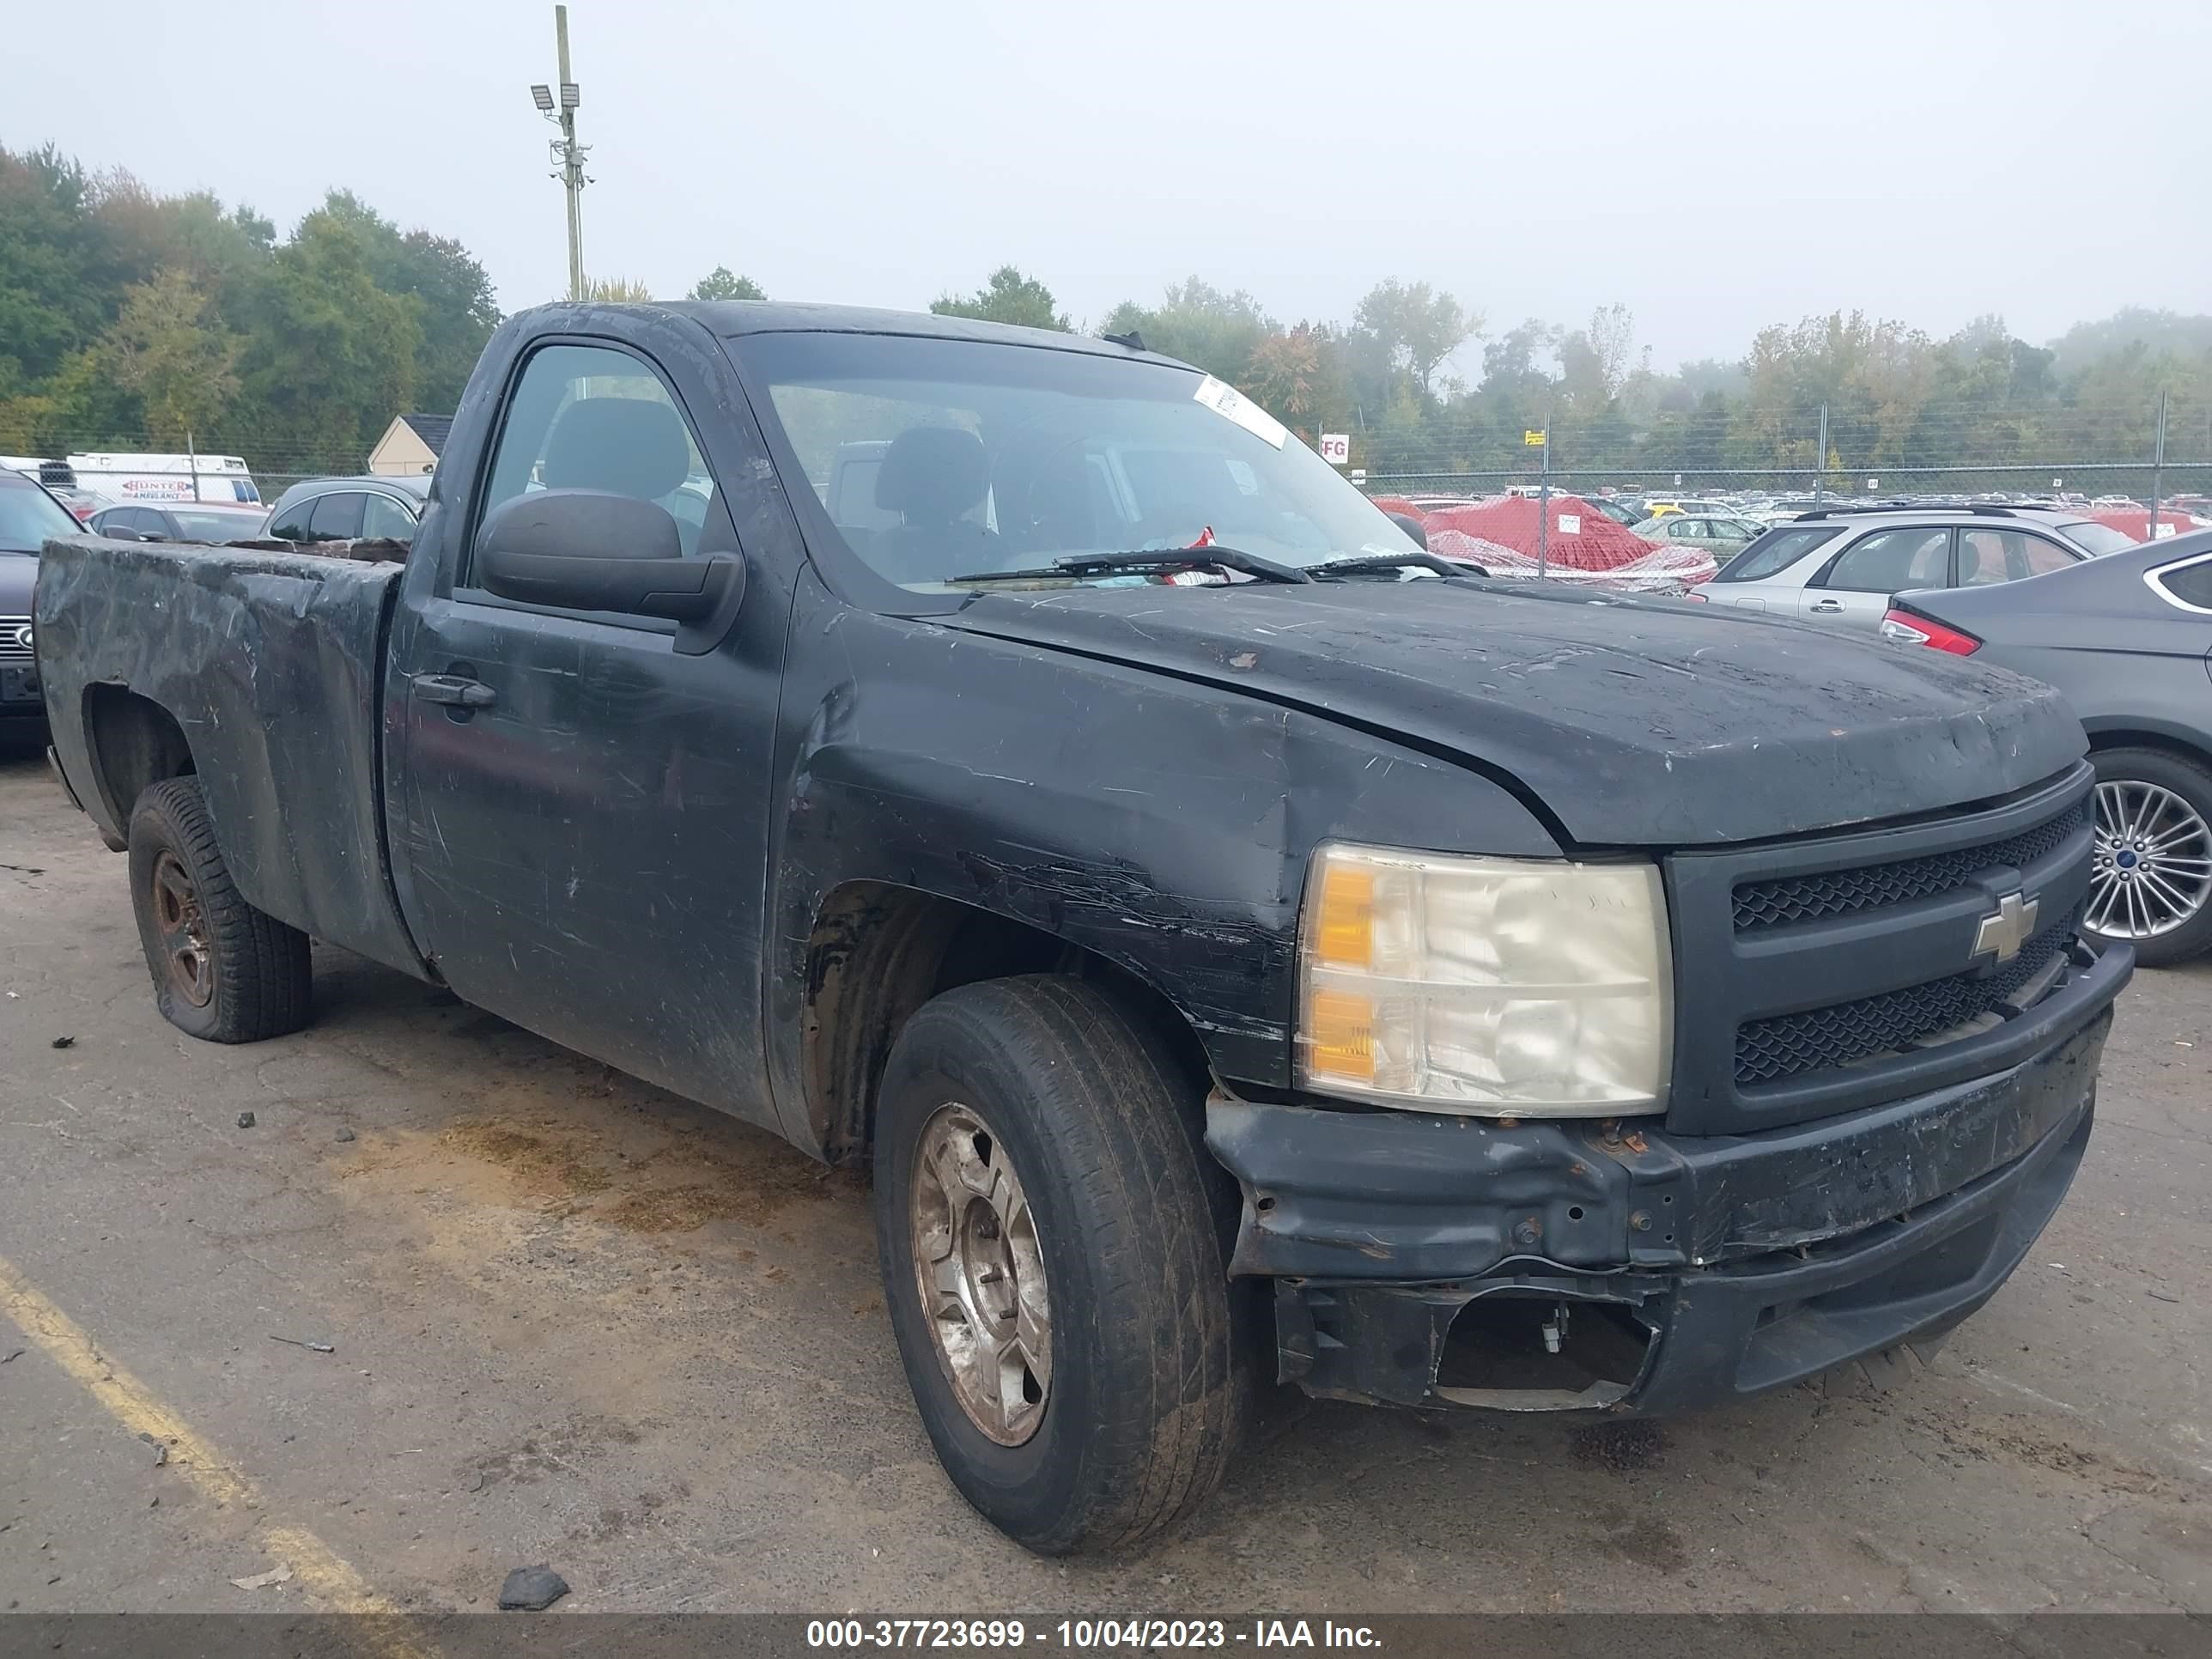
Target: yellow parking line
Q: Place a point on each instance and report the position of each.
(325, 1577)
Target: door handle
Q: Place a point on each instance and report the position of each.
(453, 691)
(1827, 608)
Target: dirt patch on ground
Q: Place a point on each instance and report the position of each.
(541, 1164)
(705, 1185)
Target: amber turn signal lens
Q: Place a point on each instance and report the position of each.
(1344, 934)
(1341, 1035)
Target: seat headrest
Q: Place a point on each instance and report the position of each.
(627, 446)
(932, 474)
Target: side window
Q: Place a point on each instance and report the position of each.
(291, 525)
(592, 418)
(1990, 555)
(381, 516)
(336, 517)
(1776, 551)
(1889, 561)
(2189, 584)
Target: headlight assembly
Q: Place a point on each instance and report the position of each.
(1498, 987)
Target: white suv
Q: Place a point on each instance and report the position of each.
(1843, 564)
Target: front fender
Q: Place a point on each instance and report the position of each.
(1162, 824)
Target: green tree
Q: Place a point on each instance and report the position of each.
(1417, 326)
(179, 360)
(1199, 323)
(330, 357)
(456, 310)
(723, 283)
(1008, 297)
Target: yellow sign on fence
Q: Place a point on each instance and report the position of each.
(1533, 440)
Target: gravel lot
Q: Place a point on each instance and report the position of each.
(575, 1321)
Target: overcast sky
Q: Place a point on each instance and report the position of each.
(1716, 166)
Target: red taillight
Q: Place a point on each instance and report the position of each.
(1910, 628)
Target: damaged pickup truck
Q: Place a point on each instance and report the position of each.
(1249, 950)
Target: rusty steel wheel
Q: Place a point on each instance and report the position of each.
(182, 929)
(980, 1273)
(223, 970)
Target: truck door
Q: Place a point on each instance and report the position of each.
(578, 815)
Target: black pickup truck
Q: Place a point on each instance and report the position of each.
(1249, 950)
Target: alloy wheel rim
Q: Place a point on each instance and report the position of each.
(182, 927)
(978, 1268)
(2151, 864)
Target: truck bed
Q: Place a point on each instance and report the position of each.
(268, 663)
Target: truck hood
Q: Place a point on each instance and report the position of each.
(1629, 721)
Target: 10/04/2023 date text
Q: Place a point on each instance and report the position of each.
(1086, 1635)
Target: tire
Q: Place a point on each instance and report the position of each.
(1883, 1371)
(248, 977)
(1140, 1408)
(2191, 781)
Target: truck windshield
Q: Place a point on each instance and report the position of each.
(938, 458)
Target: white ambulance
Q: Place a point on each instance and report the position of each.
(166, 477)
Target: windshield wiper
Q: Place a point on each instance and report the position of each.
(1141, 560)
(1359, 564)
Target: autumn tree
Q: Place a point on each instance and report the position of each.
(180, 361)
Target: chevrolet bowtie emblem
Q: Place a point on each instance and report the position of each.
(2012, 926)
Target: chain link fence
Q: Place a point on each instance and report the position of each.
(2154, 453)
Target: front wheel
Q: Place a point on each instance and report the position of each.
(1051, 1263)
(2151, 880)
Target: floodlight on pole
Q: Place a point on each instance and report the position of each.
(568, 155)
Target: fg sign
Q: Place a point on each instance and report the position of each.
(1336, 448)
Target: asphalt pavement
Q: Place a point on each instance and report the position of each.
(459, 1300)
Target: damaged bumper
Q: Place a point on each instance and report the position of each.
(1423, 1260)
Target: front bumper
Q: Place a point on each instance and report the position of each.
(1720, 1265)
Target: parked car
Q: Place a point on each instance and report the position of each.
(2126, 637)
(1619, 511)
(29, 517)
(212, 522)
(344, 509)
(1246, 949)
(1842, 565)
(1722, 533)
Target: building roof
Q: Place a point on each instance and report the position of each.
(431, 429)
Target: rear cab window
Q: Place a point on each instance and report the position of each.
(1776, 551)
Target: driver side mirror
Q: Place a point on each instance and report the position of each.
(590, 549)
(1412, 525)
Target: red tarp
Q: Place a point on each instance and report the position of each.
(1500, 534)
(2136, 521)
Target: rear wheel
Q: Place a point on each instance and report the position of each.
(1052, 1266)
(2151, 881)
(223, 970)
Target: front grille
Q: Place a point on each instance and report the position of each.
(15, 639)
(1770, 1050)
(1788, 899)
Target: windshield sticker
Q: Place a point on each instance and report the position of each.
(1226, 401)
